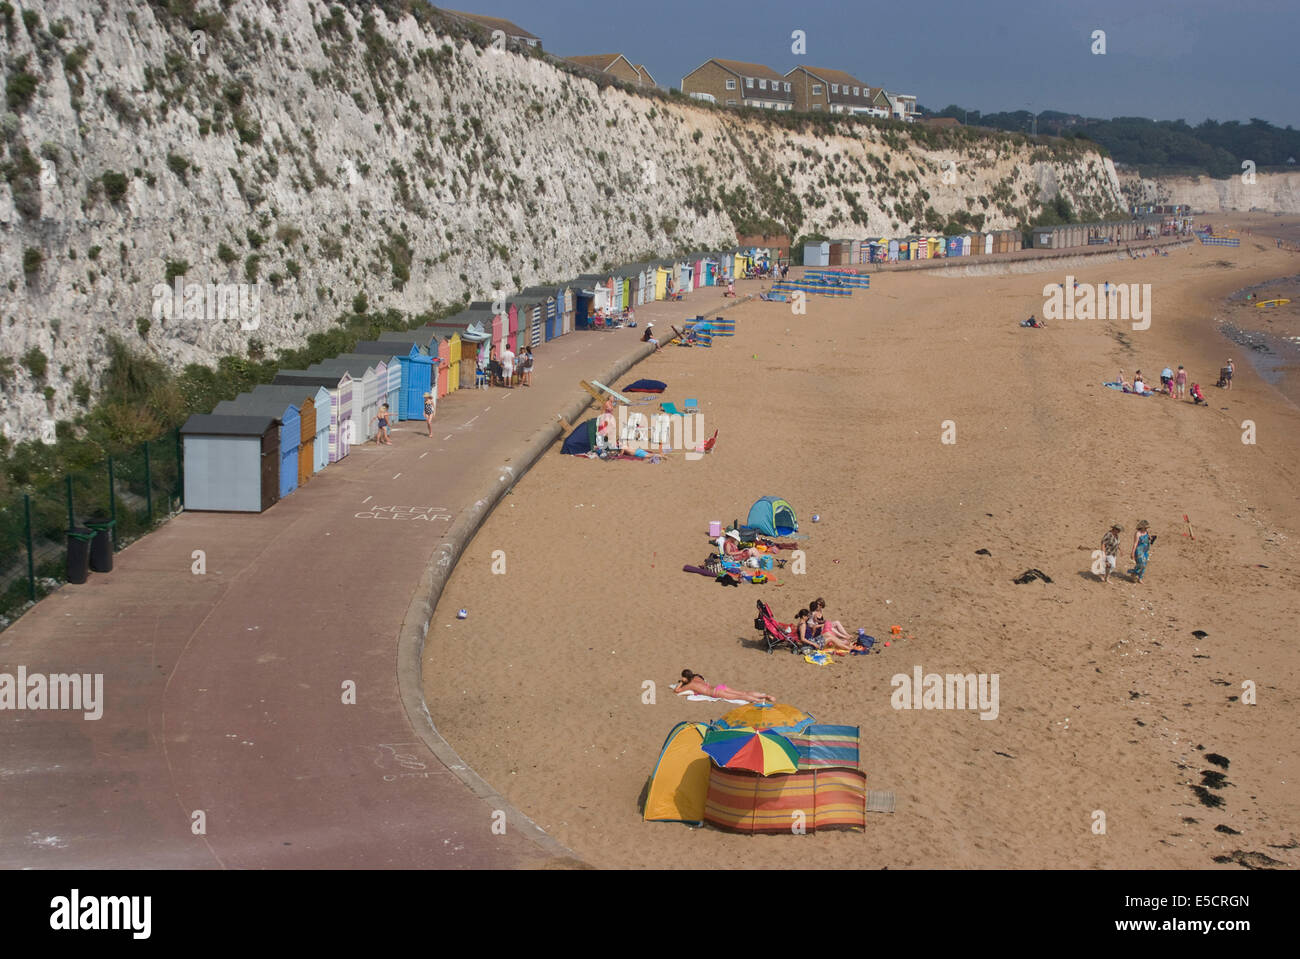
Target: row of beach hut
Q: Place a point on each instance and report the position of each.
(919, 247)
(262, 446)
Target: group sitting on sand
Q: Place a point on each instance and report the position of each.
(816, 631)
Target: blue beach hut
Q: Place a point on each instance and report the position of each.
(289, 421)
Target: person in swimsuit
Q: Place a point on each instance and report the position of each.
(809, 632)
(1227, 385)
(833, 632)
(1142, 540)
(430, 409)
(1180, 382)
(381, 419)
(695, 683)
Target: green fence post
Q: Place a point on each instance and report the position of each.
(112, 502)
(68, 482)
(148, 483)
(179, 492)
(31, 566)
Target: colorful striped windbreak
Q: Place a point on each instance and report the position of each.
(824, 745)
(814, 799)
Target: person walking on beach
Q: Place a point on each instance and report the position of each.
(526, 366)
(1180, 381)
(1110, 551)
(430, 409)
(1227, 385)
(1142, 540)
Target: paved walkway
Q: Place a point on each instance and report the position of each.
(225, 740)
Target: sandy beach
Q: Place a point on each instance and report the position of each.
(1107, 701)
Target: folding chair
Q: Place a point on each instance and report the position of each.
(690, 406)
(671, 409)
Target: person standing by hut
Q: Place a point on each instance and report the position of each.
(526, 366)
(508, 365)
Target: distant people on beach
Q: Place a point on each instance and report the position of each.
(1138, 385)
(695, 683)
(1034, 322)
(731, 288)
(1167, 381)
(526, 366)
(605, 427)
(1110, 550)
(1142, 540)
(649, 337)
(1230, 368)
(1180, 381)
(430, 410)
(1123, 382)
(832, 630)
(1197, 396)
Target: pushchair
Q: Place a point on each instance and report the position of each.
(1225, 375)
(777, 635)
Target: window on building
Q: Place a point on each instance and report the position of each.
(731, 84)
(749, 83)
(762, 84)
(817, 89)
(731, 103)
(787, 88)
(835, 88)
(817, 106)
(857, 92)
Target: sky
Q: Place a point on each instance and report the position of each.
(1164, 59)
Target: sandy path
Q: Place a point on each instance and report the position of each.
(840, 411)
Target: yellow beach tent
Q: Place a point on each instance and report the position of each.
(679, 784)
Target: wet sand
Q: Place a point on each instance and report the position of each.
(1108, 703)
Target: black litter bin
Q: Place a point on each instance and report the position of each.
(101, 548)
(79, 554)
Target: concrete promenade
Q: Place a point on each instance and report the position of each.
(226, 740)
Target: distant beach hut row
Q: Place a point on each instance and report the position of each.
(262, 446)
(844, 253)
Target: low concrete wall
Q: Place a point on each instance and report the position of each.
(415, 625)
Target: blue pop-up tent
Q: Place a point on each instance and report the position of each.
(772, 516)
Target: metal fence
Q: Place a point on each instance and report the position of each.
(136, 491)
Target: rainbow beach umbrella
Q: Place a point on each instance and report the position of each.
(760, 751)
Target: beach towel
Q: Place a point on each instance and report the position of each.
(1116, 386)
(818, 659)
(646, 386)
(699, 698)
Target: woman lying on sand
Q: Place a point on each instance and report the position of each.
(695, 683)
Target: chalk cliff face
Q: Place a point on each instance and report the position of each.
(326, 151)
(1274, 192)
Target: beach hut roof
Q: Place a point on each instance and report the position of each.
(395, 347)
(214, 424)
(259, 403)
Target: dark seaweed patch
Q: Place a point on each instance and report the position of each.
(1220, 761)
(1226, 829)
(1207, 798)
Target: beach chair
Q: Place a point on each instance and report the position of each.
(690, 406)
(671, 409)
(776, 634)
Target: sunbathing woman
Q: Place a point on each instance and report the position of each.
(695, 683)
(731, 548)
